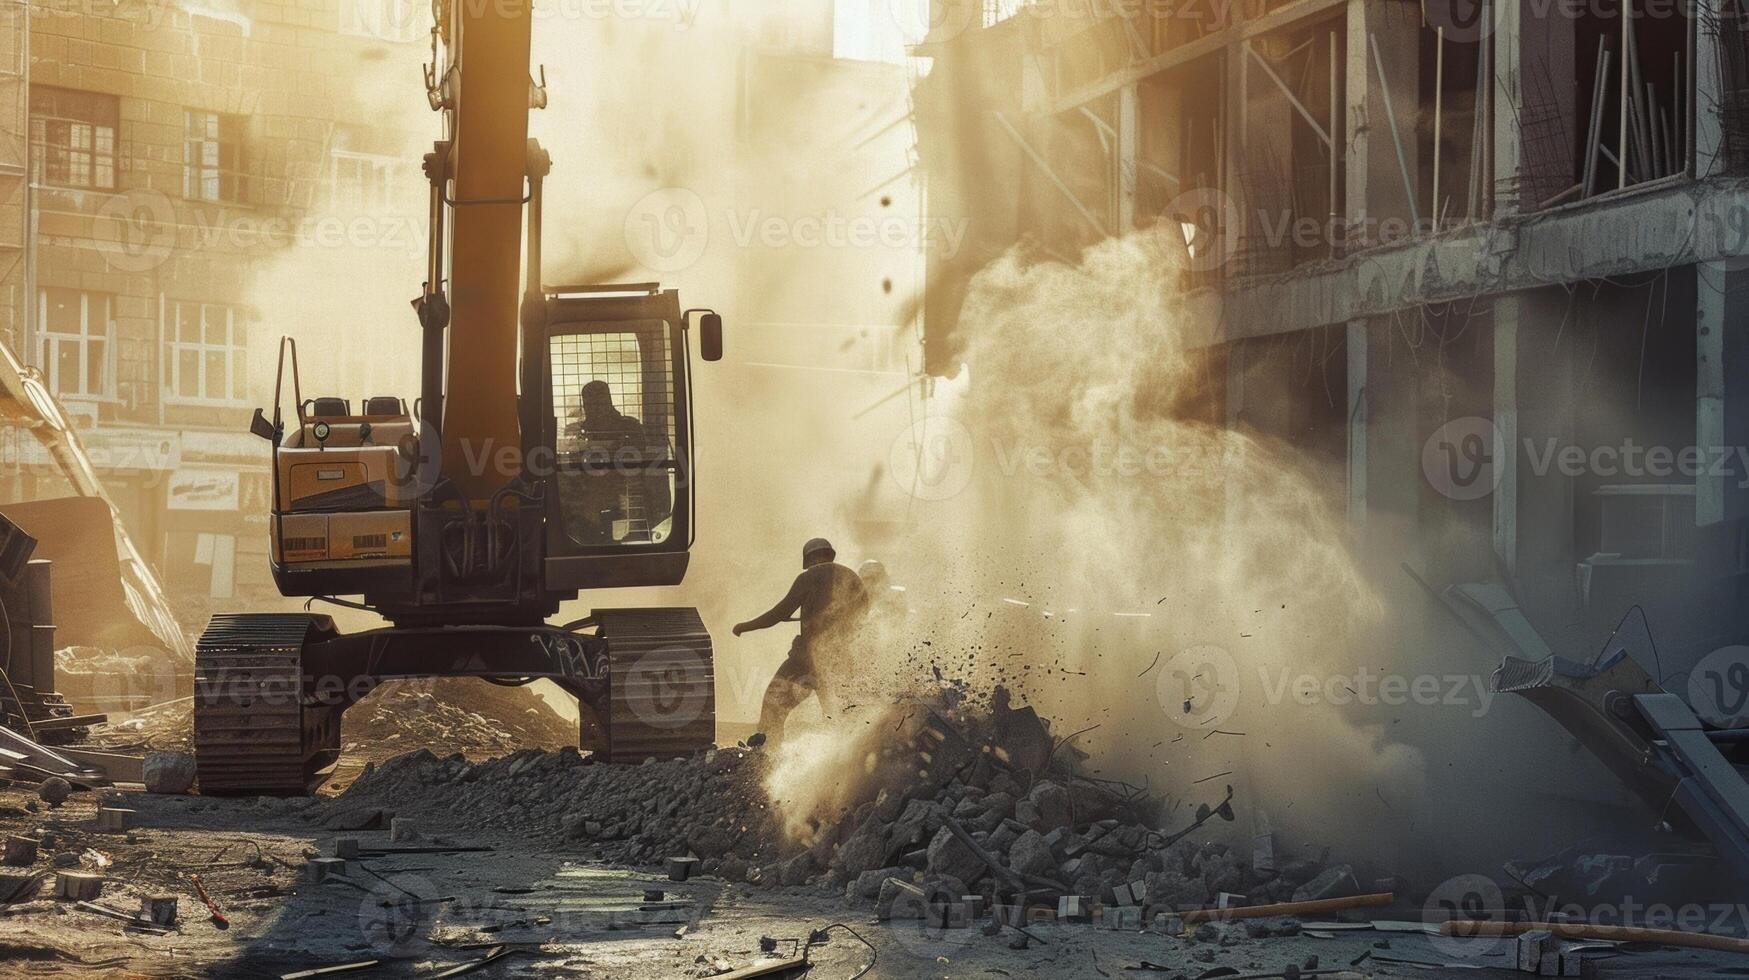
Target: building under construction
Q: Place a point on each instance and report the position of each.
(1426, 244)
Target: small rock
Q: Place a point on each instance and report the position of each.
(1053, 803)
(54, 791)
(1029, 854)
(66, 859)
(168, 772)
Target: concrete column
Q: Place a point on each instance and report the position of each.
(1709, 125)
(1385, 457)
(1375, 185)
(1534, 407)
(1235, 382)
(1721, 387)
(1508, 312)
(1357, 424)
(1125, 153)
(1508, 106)
(1237, 97)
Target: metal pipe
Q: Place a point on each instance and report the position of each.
(1396, 137)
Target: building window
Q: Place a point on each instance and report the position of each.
(73, 341)
(204, 347)
(212, 156)
(72, 135)
(365, 181)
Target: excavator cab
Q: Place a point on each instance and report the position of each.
(617, 420)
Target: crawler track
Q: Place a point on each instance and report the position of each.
(255, 731)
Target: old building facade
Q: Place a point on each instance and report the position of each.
(159, 159)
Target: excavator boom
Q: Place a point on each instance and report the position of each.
(488, 163)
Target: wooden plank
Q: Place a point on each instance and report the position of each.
(764, 970)
(119, 768)
(43, 756)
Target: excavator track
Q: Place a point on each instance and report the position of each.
(255, 730)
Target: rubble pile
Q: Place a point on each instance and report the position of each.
(989, 805)
(462, 714)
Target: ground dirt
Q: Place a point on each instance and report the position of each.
(559, 908)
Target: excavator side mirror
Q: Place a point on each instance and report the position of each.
(261, 427)
(710, 337)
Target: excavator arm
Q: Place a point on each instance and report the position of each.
(479, 183)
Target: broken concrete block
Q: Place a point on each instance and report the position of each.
(168, 772)
(1167, 924)
(1052, 800)
(1336, 881)
(321, 869)
(1031, 855)
(681, 868)
(1072, 908)
(1531, 946)
(160, 910)
(900, 900)
(114, 819)
(1262, 844)
(1123, 918)
(21, 851)
(78, 886)
(1131, 893)
(403, 830)
(346, 848)
(54, 791)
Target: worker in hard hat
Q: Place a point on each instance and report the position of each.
(830, 599)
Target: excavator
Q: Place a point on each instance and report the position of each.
(549, 451)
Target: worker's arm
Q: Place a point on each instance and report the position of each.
(785, 608)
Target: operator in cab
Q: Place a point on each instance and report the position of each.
(623, 495)
(831, 601)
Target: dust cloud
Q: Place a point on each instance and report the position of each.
(1061, 522)
(1160, 583)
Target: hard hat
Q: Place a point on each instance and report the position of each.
(872, 573)
(816, 546)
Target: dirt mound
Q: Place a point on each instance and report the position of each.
(477, 719)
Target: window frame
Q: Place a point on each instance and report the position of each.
(52, 107)
(234, 347)
(220, 132)
(50, 366)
